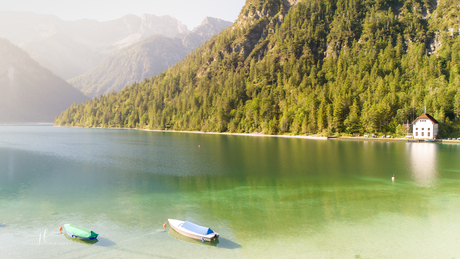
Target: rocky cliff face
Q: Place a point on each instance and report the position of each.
(208, 28)
(29, 92)
(211, 26)
(254, 19)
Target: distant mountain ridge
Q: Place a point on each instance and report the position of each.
(144, 59)
(70, 48)
(28, 91)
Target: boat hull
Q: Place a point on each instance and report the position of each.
(82, 238)
(70, 231)
(176, 225)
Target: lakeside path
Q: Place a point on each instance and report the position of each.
(242, 134)
(377, 139)
(214, 133)
(292, 136)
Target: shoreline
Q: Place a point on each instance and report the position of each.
(241, 134)
(379, 139)
(284, 136)
(212, 133)
(442, 141)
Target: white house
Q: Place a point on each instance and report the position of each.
(425, 127)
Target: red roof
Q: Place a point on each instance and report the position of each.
(426, 116)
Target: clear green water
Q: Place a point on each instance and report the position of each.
(267, 197)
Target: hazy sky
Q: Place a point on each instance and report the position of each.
(189, 12)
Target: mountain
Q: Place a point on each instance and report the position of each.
(144, 59)
(208, 28)
(304, 67)
(63, 55)
(29, 92)
(70, 48)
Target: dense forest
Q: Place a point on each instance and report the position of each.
(303, 67)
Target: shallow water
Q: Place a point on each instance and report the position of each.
(267, 197)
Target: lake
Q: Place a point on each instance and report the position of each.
(267, 197)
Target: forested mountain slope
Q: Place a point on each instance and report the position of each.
(303, 67)
(28, 91)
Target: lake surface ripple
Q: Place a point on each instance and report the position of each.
(267, 197)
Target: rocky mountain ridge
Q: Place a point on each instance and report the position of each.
(70, 48)
(144, 59)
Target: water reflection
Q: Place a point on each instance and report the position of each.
(11, 163)
(176, 235)
(82, 241)
(423, 163)
(228, 244)
(220, 243)
(250, 189)
(104, 242)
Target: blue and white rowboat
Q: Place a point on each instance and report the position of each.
(192, 230)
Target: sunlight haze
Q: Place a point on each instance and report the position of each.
(190, 13)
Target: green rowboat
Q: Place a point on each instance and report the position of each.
(79, 232)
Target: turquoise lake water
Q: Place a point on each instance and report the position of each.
(267, 197)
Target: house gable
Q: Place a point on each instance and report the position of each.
(425, 116)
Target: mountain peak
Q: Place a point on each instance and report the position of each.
(211, 20)
(211, 26)
(265, 8)
(150, 21)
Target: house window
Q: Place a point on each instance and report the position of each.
(416, 133)
(416, 128)
(428, 134)
(422, 134)
(428, 129)
(423, 128)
